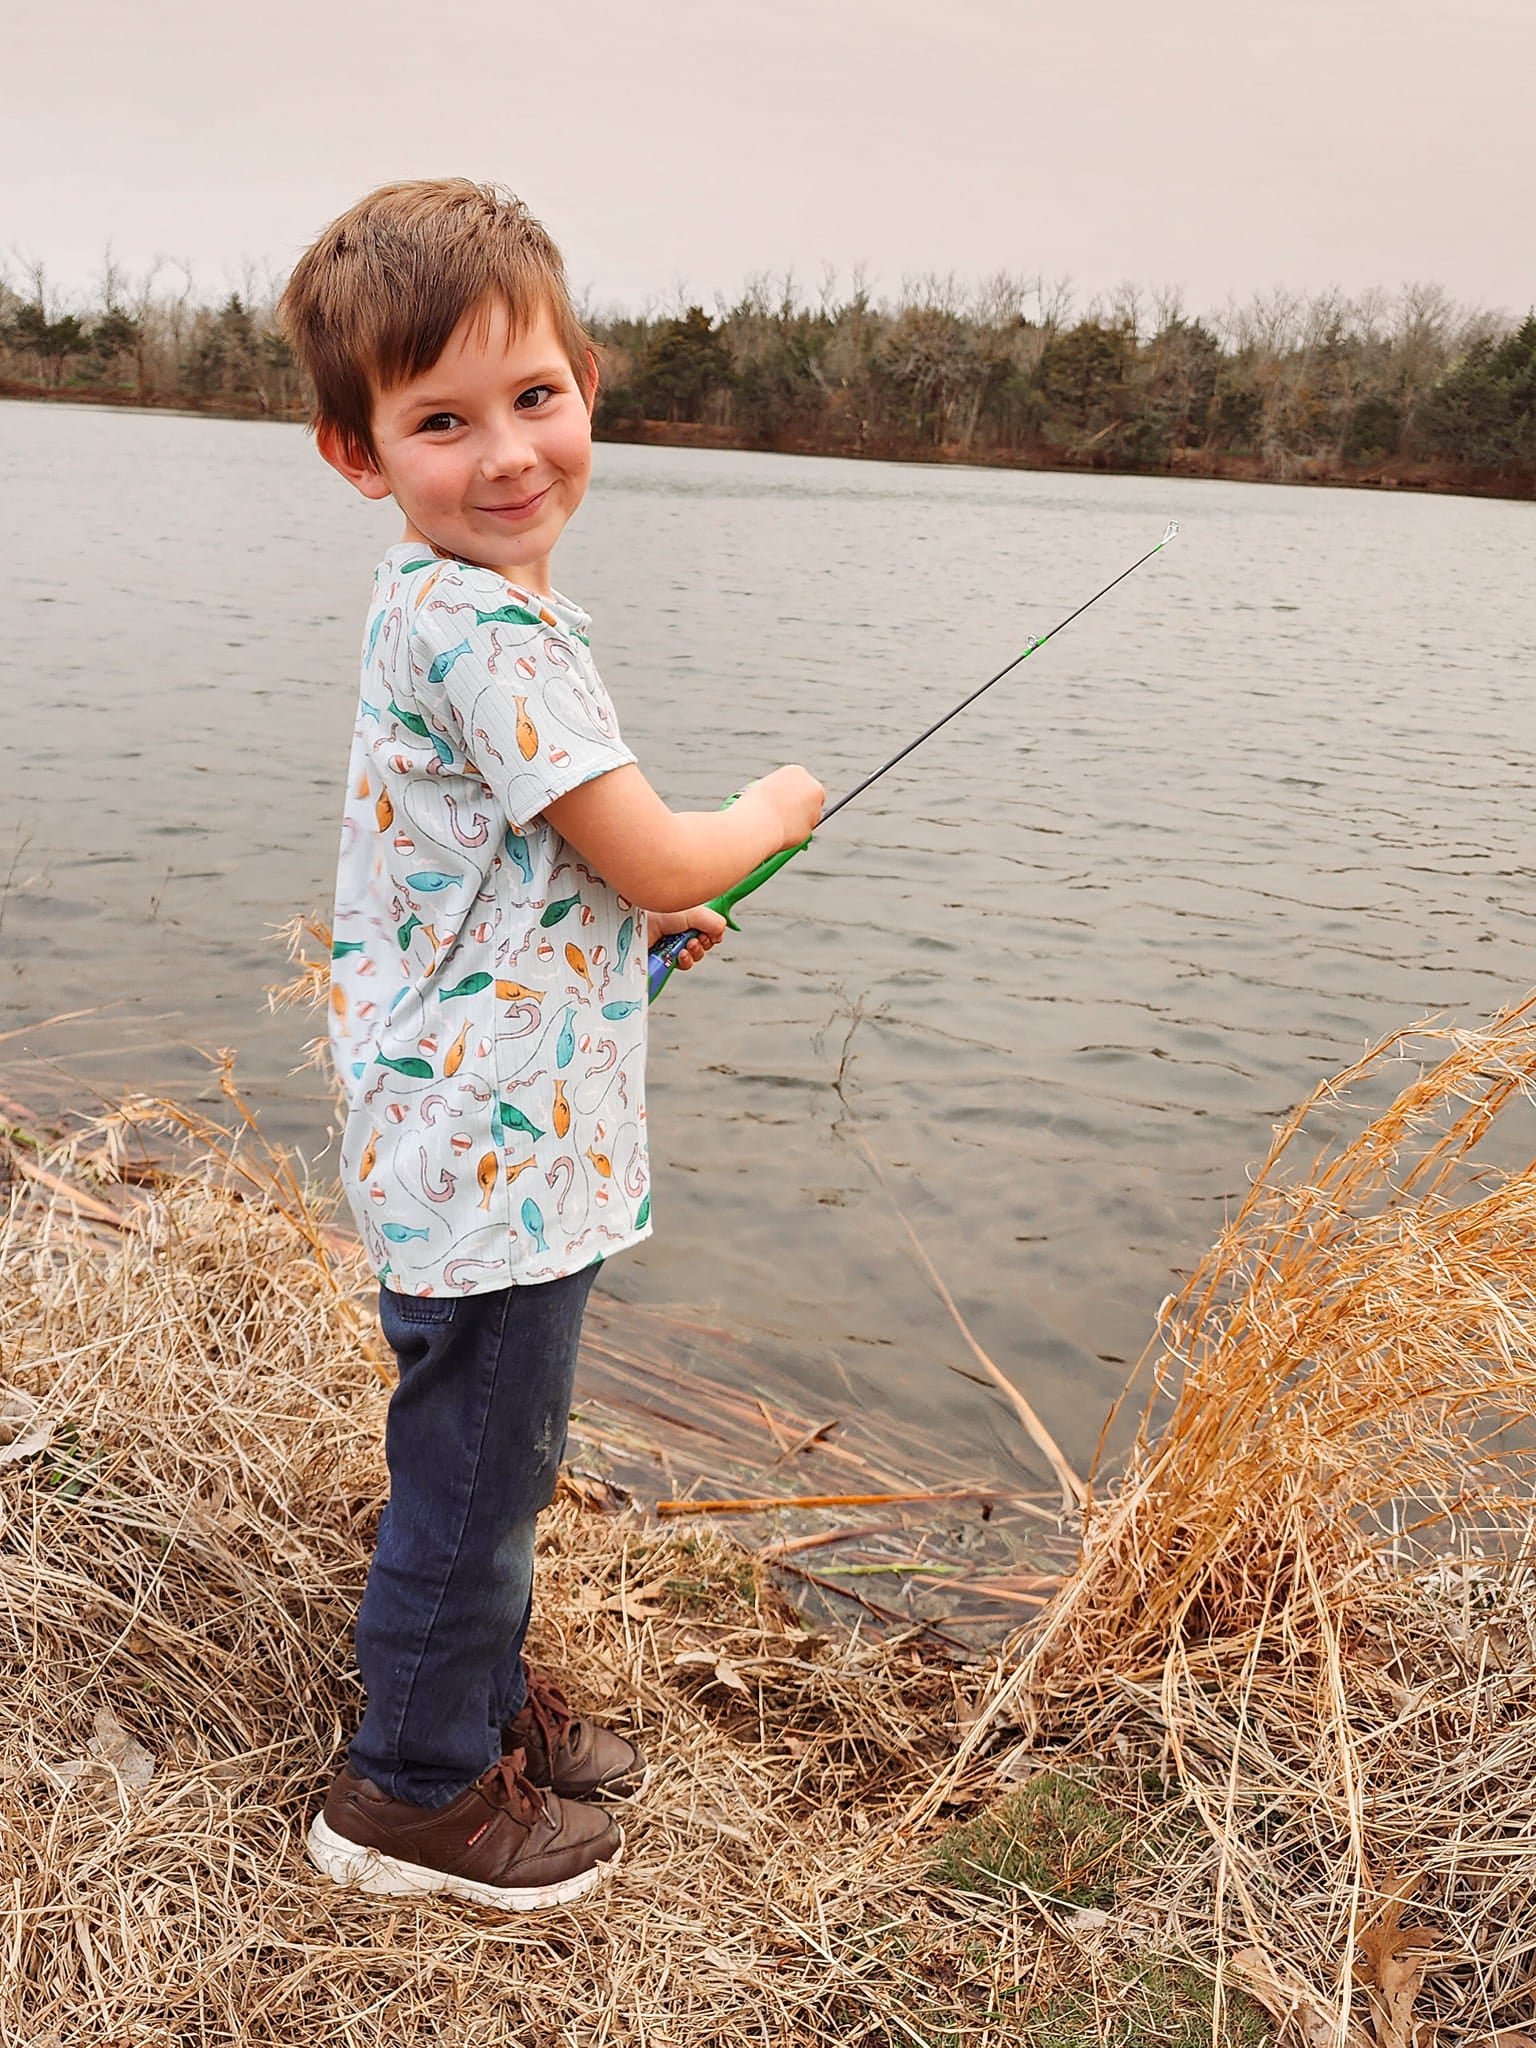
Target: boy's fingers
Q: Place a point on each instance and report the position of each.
(696, 948)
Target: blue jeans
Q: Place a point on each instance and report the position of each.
(473, 1441)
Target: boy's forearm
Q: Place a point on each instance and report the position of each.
(664, 859)
(704, 852)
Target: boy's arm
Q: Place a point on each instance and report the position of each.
(545, 748)
(671, 860)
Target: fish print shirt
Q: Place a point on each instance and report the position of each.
(488, 990)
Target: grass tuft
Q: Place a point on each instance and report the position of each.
(1153, 2005)
(1313, 1592)
(1054, 1836)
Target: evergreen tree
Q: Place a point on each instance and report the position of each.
(686, 361)
(1484, 410)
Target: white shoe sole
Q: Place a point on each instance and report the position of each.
(370, 1870)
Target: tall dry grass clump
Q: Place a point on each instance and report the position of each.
(179, 1572)
(1314, 1586)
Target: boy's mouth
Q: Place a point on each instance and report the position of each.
(521, 508)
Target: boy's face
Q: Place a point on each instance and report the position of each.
(487, 453)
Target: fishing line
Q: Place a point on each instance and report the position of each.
(965, 703)
(665, 956)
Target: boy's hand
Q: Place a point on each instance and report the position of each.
(709, 924)
(795, 799)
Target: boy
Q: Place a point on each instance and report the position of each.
(488, 1015)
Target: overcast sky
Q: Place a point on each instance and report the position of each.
(678, 146)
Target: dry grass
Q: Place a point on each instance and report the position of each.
(1312, 1588)
(183, 1563)
(1301, 1640)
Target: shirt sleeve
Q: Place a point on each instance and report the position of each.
(515, 689)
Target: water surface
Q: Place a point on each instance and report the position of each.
(1071, 962)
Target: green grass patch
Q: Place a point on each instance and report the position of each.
(1158, 2005)
(1059, 1837)
(1054, 1835)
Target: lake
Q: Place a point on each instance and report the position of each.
(1062, 970)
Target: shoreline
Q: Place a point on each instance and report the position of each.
(673, 1407)
(1438, 478)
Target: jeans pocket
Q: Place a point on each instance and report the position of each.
(430, 1311)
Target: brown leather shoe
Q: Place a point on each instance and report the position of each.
(576, 1758)
(501, 1843)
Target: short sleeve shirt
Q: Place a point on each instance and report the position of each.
(488, 990)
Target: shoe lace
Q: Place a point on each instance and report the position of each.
(551, 1711)
(505, 1785)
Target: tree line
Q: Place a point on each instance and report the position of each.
(1407, 387)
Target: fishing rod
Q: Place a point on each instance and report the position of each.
(665, 956)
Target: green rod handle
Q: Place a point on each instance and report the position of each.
(664, 956)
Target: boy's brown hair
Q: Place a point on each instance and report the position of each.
(373, 302)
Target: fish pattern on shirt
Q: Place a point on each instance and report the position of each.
(487, 988)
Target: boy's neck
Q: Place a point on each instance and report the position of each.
(530, 576)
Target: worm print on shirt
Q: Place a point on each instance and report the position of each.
(488, 989)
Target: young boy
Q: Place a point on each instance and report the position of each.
(488, 1015)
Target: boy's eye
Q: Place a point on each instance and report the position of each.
(531, 399)
(438, 423)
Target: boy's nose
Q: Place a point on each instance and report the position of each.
(509, 449)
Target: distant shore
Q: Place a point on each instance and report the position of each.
(1395, 474)
(1441, 476)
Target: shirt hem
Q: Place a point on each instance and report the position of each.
(499, 1284)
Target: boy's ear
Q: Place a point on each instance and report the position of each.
(348, 460)
(592, 380)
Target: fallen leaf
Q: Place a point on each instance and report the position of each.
(1399, 1973)
(24, 1429)
(1087, 1920)
(1289, 1999)
(1391, 1961)
(115, 1746)
(111, 1750)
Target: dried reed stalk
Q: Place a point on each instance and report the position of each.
(1073, 1492)
(1313, 1580)
(770, 1503)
